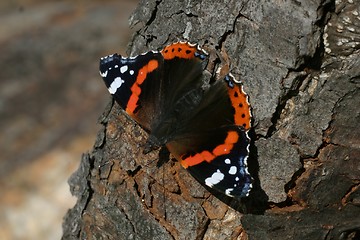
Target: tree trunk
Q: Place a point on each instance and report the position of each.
(299, 62)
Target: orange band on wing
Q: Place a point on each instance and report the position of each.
(240, 103)
(231, 138)
(135, 89)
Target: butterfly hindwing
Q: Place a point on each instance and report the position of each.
(223, 167)
(213, 143)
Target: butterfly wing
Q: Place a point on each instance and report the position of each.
(222, 165)
(135, 84)
(213, 143)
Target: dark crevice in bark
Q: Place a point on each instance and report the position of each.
(327, 234)
(133, 227)
(294, 91)
(346, 199)
(108, 171)
(148, 37)
(187, 14)
(228, 32)
(312, 63)
(325, 141)
(288, 186)
(136, 187)
(316, 155)
(132, 173)
(89, 189)
(203, 230)
(292, 183)
(327, 6)
(287, 203)
(153, 14)
(309, 62)
(315, 62)
(353, 234)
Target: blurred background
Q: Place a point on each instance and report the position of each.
(51, 96)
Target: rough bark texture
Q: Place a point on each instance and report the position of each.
(299, 62)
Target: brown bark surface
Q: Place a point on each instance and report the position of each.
(299, 63)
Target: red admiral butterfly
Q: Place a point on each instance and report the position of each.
(206, 129)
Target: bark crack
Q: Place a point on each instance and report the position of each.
(88, 184)
(153, 13)
(346, 199)
(148, 37)
(190, 14)
(310, 63)
(286, 96)
(133, 227)
(232, 30)
(292, 183)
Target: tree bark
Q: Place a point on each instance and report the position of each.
(299, 63)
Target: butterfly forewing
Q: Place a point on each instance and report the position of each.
(135, 83)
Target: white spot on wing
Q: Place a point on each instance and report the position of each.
(123, 68)
(214, 179)
(115, 85)
(227, 161)
(104, 74)
(233, 170)
(131, 72)
(228, 191)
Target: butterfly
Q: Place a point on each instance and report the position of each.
(204, 126)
